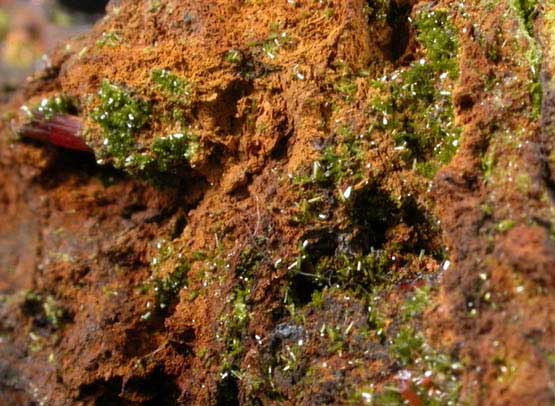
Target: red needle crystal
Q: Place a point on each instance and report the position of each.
(61, 130)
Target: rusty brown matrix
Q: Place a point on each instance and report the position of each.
(293, 202)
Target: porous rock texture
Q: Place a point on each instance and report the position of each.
(332, 202)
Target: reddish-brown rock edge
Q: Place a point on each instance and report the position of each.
(239, 279)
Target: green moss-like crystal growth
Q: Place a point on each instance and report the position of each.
(121, 116)
(439, 37)
(169, 275)
(167, 289)
(53, 106)
(173, 85)
(418, 111)
(174, 150)
(234, 56)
